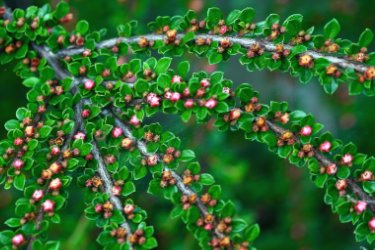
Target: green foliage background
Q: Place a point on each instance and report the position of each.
(281, 198)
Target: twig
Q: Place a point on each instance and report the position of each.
(244, 42)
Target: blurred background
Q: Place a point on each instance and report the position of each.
(267, 190)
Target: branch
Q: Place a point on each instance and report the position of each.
(184, 189)
(244, 42)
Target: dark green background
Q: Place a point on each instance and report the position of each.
(280, 197)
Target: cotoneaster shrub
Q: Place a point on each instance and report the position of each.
(85, 112)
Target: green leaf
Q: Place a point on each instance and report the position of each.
(30, 82)
(214, 15)
(19, 181)
(61, 9)
(293, 24)
(163, 65)
(331, 29)
(366, 38)
(141, 86)
(128, 188)
(215, 58)
(187, 155)
(183, 68)
(150, 243)
(252, 232)
(13, 222)
(369, 186)
(247, 15)
(45, 131)
(82, 27)
(206, 179)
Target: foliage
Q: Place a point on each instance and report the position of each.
(86, 110)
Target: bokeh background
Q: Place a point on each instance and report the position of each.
(280, 197)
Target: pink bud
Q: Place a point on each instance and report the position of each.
(325, 146)
(371, 224)
(341, 185)
(29, 131)
(55, 184)
(211, 103)
(116, 132)
(80, 135)
(116, 190)
(85, 113)
(89, 84)
(129, 209)
(18, 164)
(168, 95)
(189, 103)
(48, 206)
(55, 150)
(306, 130)
(360, 206)
(55, 167)
(347, 159)
(367, 175)
(152, 160)
(176, 79)
(186, 92)
(37, 195)
(134, 121)
(98, 208)
(153, 100)
(18, 240)
(208, 227)
(223, 29)
(200, 92)
(18, 142)
(175, 96)
(331, 169)
(205, 83)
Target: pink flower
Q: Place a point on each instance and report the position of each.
(371, 224)
(18, 142)
(306, 130)
(186, 92)
(18, 240)
(89, 84)
(205, 83)
(85, 113)
(211, 103)
(80, 135)
(48, 206)
(176, 79)
(18, 164)
(37, 195)
(134, 121)
(175, 96)
(325, 146)
(98, 208)
(116, 190)
(223, 29)
(116, 132)
(189, 103)
(331, 169)
(360, 206)
(55, 150)
(347, 159)
(152, 160)
(55, 184)
(153, 100)
(168, 95)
